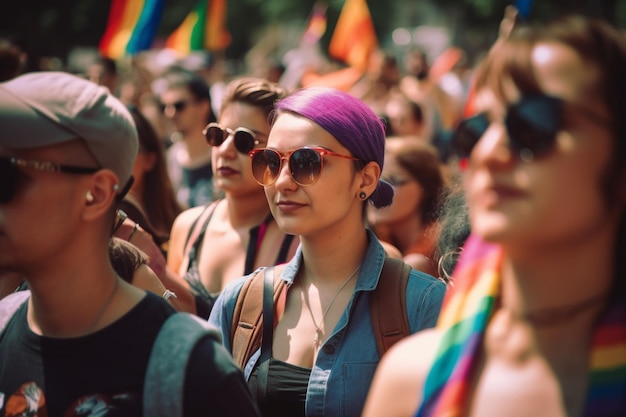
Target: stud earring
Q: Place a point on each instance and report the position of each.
(362, 195)
(89, 197)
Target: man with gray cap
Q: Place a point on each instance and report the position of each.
(81, 342)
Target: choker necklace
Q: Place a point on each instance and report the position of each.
(317, 340)
(551, 316)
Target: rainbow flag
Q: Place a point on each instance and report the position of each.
(317, 24)
(354, 38)
(131, 27)
(464, 317)
(203, 28)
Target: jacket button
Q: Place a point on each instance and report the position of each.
(329, 349)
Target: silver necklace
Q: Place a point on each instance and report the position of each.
(318, 327)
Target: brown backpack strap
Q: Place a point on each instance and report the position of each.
(388, 305)
(247, 325)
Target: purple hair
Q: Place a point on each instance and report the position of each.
(350, 121)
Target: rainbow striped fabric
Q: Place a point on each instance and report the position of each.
(131, 27)
(204, 28)
(465, 314)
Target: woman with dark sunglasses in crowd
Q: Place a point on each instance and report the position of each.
(536, 322)
(410, 222)
(212, 245)
(320, 167)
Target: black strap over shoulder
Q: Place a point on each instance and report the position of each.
(268, 332)
(193, 253)
(284, 249)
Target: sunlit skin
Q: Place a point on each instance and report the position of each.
(326, 202)
(558, 234)
(36, 189)
(145, 278)
(232, 171)
(73, 229)
(244, 206)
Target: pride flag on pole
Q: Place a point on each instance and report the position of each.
(131, 27)
(354, 38)
(204, 28)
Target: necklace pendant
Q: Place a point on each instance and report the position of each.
(317, 337)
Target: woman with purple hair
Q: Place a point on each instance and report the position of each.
(321, 166)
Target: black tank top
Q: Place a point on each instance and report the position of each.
(285, 395)
(192, 276)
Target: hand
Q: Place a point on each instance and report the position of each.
(143, 240)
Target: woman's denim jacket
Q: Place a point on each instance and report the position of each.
(345, 365)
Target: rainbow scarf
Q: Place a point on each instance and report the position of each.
(465, 314)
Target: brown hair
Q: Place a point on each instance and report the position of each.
(126, 258)
(256, 92)
(422, 162)
(158, 196)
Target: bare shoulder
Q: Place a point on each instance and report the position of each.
(391, 250)
(420, 263)
(399, 379)
(178, 236)
(186, 218)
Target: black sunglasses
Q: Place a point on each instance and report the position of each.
(305, 164)
(245, 139)
(9, 172)
(531, 124)
(179, 105)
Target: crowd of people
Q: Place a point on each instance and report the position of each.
(245, 234)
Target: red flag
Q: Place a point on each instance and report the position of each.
(354, 38)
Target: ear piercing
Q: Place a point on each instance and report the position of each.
(89, 197)
(362, 195)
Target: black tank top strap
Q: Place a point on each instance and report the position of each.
(254, 243)
(197, 244)
(284, 249)
(204, 299)
(257, 234)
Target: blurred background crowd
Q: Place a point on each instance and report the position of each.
(411, 61)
